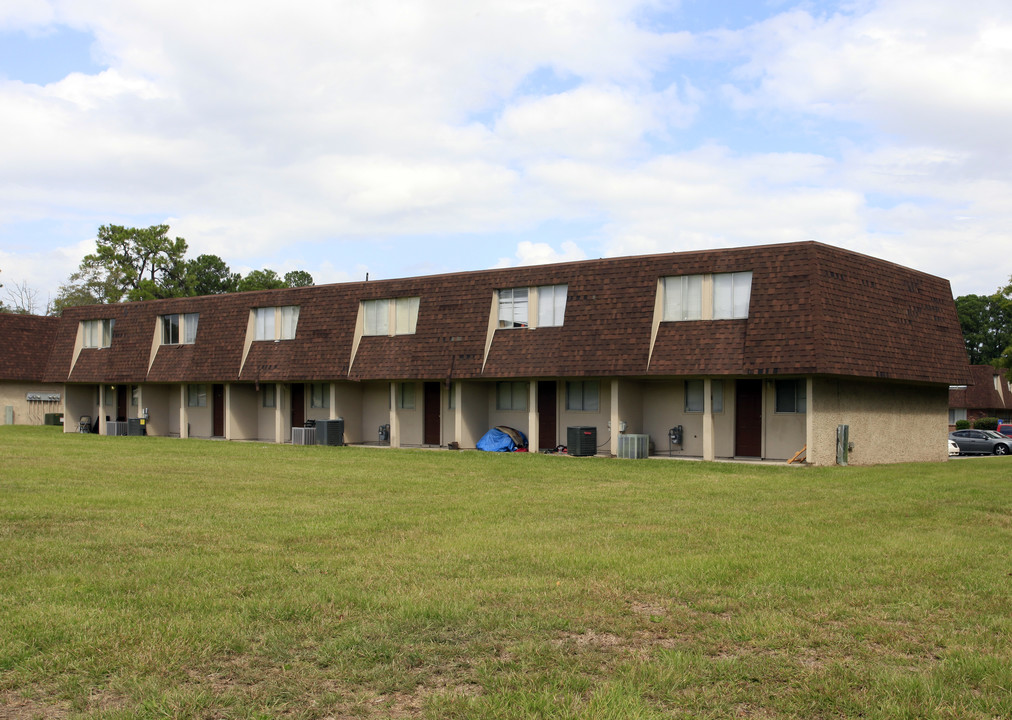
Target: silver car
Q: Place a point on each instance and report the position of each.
(981, 442)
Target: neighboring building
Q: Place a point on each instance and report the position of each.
(25, 343)
(755, 352)
(988, 394)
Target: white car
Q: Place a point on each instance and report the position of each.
(953, 448)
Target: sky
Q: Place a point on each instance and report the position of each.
(411, 137)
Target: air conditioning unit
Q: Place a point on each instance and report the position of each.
(330, 432)
(633, 447)
(582, 441)
(303, 436)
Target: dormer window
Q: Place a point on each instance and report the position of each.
(547, 303)
(179, 329)
(97, 333)
(390, 316)
(276, 323)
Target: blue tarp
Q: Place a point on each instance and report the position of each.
(499, 440)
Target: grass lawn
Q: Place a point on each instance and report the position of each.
(154, 578)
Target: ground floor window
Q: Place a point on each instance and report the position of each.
(196, 395)
(319, 395)
(791, 396)
(511, 396)
(406, 396)
(269, 396)
(956, 414)
(583, 395)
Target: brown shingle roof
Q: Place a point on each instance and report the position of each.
(26, 341)
(814, 309)
(981, 393)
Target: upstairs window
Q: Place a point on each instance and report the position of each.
(178, 329)
(552, 305)
(276, 323)
(683, 297)
(397, 314)
(513, 308)
(97, 333)
(731, 292)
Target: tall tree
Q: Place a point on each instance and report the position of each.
(298, 278)
(210, 275)
(265, 279)
(986, 321)
(145, 262)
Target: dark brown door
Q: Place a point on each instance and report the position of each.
(122, 391)
(218, 410)
(432, 413)
(547, 415)
(748, 418)
(298, 405)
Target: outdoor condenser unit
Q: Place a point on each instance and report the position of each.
(582, 441)
(330, 432)
(633, 447)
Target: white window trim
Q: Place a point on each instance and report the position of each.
(283, 325)
(386, 317)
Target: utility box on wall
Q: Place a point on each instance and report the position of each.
(582, 441)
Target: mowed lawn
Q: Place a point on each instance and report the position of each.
(159, 578)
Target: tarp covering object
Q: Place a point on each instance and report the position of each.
(502, 439)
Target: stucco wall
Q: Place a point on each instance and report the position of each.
(473, 405)
(243, 401)
(594, 418)
(375, 409)
(348, 405)
(889, 422)
(663, 408)
(410, 419)
(79, 400)
(15, 395)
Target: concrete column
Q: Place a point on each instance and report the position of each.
(395, 418)
(809, 417)
(533, 419)
(615, 420)
(458, 412)
(333, 402)
(708, 440)
(279, 413)
(184, 413)
(103, 390)
(228, 411)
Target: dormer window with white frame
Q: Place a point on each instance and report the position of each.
(180, 329)
(97, 333)
(275, 323)
(720, 296)
(731, 293)
(390, 316)
(518, 306)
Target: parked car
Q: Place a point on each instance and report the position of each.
(1005, 429)
(981, 442)
(953, 448)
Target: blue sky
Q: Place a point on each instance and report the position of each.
(400, 138)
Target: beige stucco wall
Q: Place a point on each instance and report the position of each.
(267, 417)
(15, 396)
(79, 400)
(598, 419)
(347, 404)
(375, 410)
(663, 408)
(242, 417)
(410, 420)
(473, 410)
(889, 422)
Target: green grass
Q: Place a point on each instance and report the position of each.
(158, 578)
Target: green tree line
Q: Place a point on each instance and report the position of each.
(131, 264)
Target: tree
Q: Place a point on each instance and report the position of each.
(298, 278)
(986, 321)
(24, 300)
(210, 275)
(143, 263)
(265, 279)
